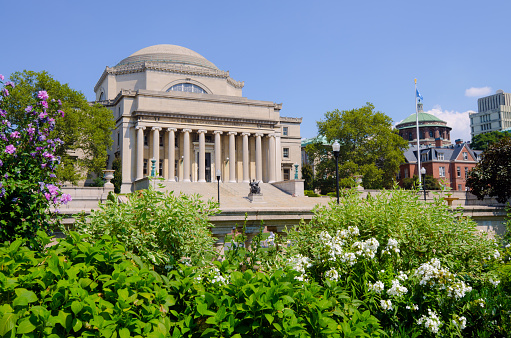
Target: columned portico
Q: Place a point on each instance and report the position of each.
(202, 155)
(140, 152)
(272, 159)
(186, 151)
(218, 151)
(172, 153)
(232, 156)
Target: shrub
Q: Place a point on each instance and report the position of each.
(27, 167)
(161, 228)
(310, 193)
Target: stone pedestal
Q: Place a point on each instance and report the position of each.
(255, 198)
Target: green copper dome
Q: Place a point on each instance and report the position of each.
(424, 118)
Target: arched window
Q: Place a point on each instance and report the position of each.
(410, 137)
(102, 96)
(187, 87)
(431, 133)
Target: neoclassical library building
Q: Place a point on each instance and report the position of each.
(176, 109)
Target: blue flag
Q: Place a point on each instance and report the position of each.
(418, 94)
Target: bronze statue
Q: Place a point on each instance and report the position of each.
(254, 187)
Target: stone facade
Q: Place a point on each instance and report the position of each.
(174, 106)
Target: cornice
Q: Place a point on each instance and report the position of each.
(291, 119)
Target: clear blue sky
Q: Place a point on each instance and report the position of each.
(312, 56)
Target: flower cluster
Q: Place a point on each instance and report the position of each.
(377, 287)
(495, 283)
(414, 307)
(392, 246)
(431, 322)
(397, 290)
(386, 305)
(217, 276)
(458, 290)
(300, 263)
(332, 274)
(366, 248)
(460, 322)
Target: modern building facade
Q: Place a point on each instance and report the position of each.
(493, 114)
(430, 129)
(175, 108)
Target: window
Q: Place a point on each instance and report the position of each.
(161, 140)
(460, 187)
(187, 87)
(406, 172)
(465, 155)
(410, 137)
(145, 166)
(102, 96)
(441, 171)
(118, 139)
(146, 139)
(286, 152)
(458, 171)
(466, 172)
(160, 168)
(285, 131)
(440, 156)
(424, 157)
(286, 174)
(431, 133)
(422, 135)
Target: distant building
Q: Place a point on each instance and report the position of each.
(450, 165)
(493, 114)
(430, 129)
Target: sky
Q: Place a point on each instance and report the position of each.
(311, 56)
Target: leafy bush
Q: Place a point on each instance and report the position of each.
(161, 228)
(27, 167)
(310, 193)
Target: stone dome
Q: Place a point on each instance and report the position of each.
(168, 54)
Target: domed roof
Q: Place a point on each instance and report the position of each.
(423, 118)
(168, 54)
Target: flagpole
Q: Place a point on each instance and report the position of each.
(417, 135)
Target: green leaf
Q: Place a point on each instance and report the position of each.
(269, 318)
(77, 325)
(124, 333)
(24, 298)
(7, 323)
(25, 326)
(76, 307)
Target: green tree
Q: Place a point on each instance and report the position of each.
(430, 182)
(117, 181)
(369, 147)
(85, 129)
(308, 176)
(483, 141)
(492, 175)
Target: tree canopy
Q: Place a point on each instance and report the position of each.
(85, 129)
(369, 147)
(492, 175)
(483, 141)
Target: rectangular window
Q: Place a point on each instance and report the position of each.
(118, 139)
(285, 131)
(286, 174)
(406, 173)
(440, 156)
(145, 166)
(458, 171)
(424, 157)
(160, 168)
(465, 155)
(460, 187)
(161, 140)
(285, 152)
(466, 172)
(441, 171)
(146, 139)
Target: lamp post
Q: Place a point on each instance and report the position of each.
(336, 147)
(218, 174)
(153, 167)
(423, 174)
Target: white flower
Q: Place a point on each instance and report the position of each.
(431, 322)
(479, 302)
(332, 274)
(386, 304)
(402, 276)
(495, 283)
(460, 322)
(414, 307)
(496, 254)
(397, 289)
(458, 290)
(349, 257)
(377, 287)
(508, 245)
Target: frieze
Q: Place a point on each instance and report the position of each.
(206, 119)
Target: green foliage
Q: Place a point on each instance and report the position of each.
(484, 141)
(161, 228)
(492, 175)
(430, 183)
(369, 147)
(86, 128)
(117, 181)
(308, 177)
(310, 193)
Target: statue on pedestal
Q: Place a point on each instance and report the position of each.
(254, 188)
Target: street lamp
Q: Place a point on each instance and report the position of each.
(218, 174)
(423, 174)
(336, 147)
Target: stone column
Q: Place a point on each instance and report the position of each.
(232, 157)
(202, 155)
(186, 151)
(278, 159)
(140, 152)
(246, 164)
(218, 152)
(156, 148)
(259, 158)
(172, 153)
(272, 159)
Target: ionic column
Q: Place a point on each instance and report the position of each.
(272, 159)
(232, 157)
(186, 151)
(156, 148)
(218, 151)
(172, 153)
(246, 177)
(202, 155)
(140, 152)
(259, 158)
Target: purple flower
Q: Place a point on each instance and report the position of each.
(30, 130)
(65, 198)
(43, 115)
(28, 109)
(7, 123)
(47, 195)
(41, 186)
(53, 175)
(1, 77)
(15, 134)
(1, 163)
(6, 176)
(2, 113)
(44, 104)
(10, 149)
(42, 94)
(52, 189)
(6, 92)
(33, 154)
(2, 192)
(41, 138)
(59, 102)
(61, 112)
(10, 83)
